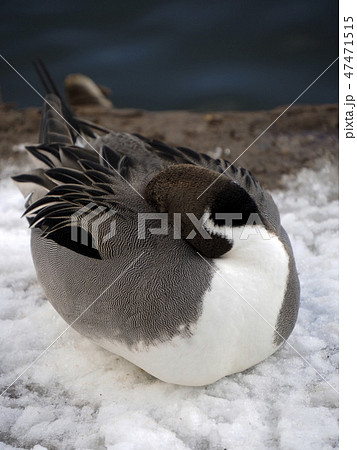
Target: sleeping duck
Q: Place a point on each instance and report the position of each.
(173, 260)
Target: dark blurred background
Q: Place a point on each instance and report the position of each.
(227, 54)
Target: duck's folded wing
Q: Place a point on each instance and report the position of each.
(75, 204)
(70, 195)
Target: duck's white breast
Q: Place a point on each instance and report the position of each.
(236, 328)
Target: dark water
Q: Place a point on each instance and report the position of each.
(176, 54)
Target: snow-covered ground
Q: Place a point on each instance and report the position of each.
(79, 396)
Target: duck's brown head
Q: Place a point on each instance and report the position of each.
(206, 217)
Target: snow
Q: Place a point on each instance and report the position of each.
(79, 396)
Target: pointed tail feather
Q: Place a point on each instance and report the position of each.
(74, 125)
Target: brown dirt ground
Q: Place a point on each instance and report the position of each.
(300, 138)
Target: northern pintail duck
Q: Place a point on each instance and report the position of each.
(131, 248)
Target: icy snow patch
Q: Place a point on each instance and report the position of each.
(80, 396)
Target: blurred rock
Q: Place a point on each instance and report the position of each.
(82, 90)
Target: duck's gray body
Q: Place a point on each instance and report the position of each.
(157, 301)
